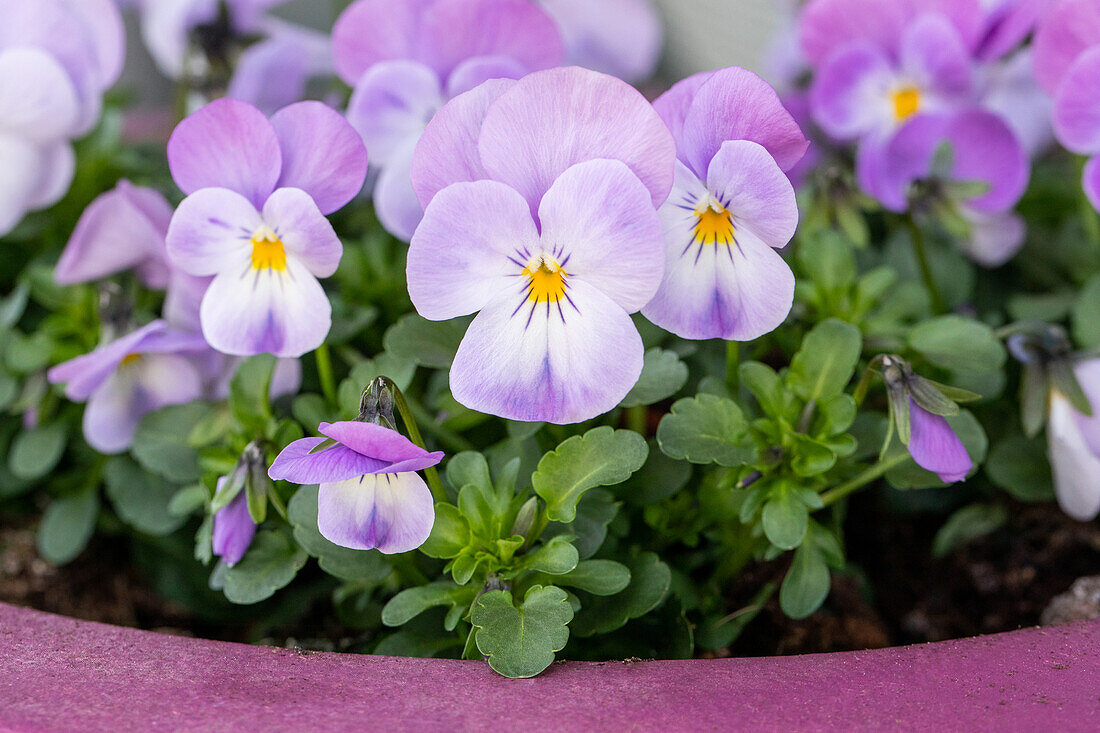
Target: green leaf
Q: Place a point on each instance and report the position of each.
(427, 343)
(368, 567)
(599, 577)
(450, 533)
(469, 467)
(810, 457)
(826, 360)
(141, 498)
(785, 519)
(968, 524)
(1086, 316)
(248, 392)
(188, 500)
(828, 260)
(659, 478)
(411, 602)
(706, 429)
(272, 561)
(557, 557)
(521, 642)
(765, 385)
(650, 580)
(663, 374)
(589, 528)
(484, 510)
(601, 457)
(161, 442)
(806, 585)
(67, 525)
(398, 369)
(37, 451)
(1020, 466)
(960, 344)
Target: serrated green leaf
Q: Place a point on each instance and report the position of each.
(589, 528)
(706, 429)
(272, 561)
(663, 374)
(826, 360)
(521, 642)
(601, 457)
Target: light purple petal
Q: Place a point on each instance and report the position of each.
(1077, 106)
(84, 374)
(395, 202)
(392, 513)
(114, 234)
(456, 30)
(986, 149)
(57, 164)
(602, 219)
(994, 238)
(1074, 464)
(296, 464)
(212, 231)
(750, 184)
(1088, 376)
(322, 154)
(1070, 29)
(737, 291)
(21, 166)
(381, 443)
(937, 60)
(553, 119)
(286, 379)
(618, 37)
(1008, 25)
(226, 144)
(304, 231)
(233, 528)
(535, 361)
(459, 257)
(166, 26)
(181, 302)
(107, 36)
(850, 97)
(1010, 90)
(391, 104)
(1091, 182)
(447, 151)
(371, 31)
(674, 104)
(935, 447)
(38, 101)
(880, 170)
(735, 104)
(474, 72)
(250, 311)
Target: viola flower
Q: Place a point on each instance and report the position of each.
(540, 215)
(1006, 24)
(935, 446)
(234, 527)
(276, 71)
(1074, 446)
(1066, 33)
(370, 495)
(731, 207)
(121, 229)
(622, 38)
(253, 219)
(983, 151)
(1077, 114)
(406, 61)
(126, 379)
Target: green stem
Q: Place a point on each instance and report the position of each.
(324, 373)
(449, 438)
(733, 365)
(925, 269)
(402, 405)
(874, 472)
(637, 419)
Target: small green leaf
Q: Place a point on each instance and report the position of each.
(557, 557)
(810, 457)
(140, 498)
(806, 585)
(663, 374)
(411, 602)
(248, 392)
(706, 429)
(161, 442)
(427, 343)
(826, 360)
(650, 580)
(450, 533)
(37, 451)
(67, 525)
(188, 500)
(521, 642)
(785, 519)
(468, 467)
(589, 528)
(659, 478)
(1020, 466)
(959, 344)
(1086, 316)
(368, 567)
(601, 457)
(271, 563)
(598, 577)
(968, 524)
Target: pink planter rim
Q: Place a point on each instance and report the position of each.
(59, 673)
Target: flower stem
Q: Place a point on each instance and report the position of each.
(925, 269)
(733, 365)
(637, 418)
(876, 471)
(324, 373)
(402, 405)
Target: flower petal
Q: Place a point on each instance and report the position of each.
(372, 31)
(392, 513)
(1074, 465)
(1091, 182)
(322, 154)
(936, 58)
(233, 528)
(38, 101)
(560, 362)
(553, 119)
(395, 202)
(275, 72)
(825, 26)
(1088, 376)
(447, 151)
(994, 238)
(304, 231)
(296, 464)
(84, 374)
(850, 94)
(935, 447)
(1077, 106)
(674, 104)
(107, 35)
(749, 183)
(469, 249)
(1069, 29)
(391, 104)
(601, 220)
(21, 167)
(250, 311)
(736, 104)
(618, 37)
(474, 72)
(381, 443)
(211, 231)
(226, 144)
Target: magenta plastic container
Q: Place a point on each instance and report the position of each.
(60, 674)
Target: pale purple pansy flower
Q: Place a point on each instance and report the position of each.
(121, 229)
(406, 60)
(1077, 117)
(540, 215)
(618, 37)
(935, 446)
(1007, 24)
(370, 496)
(234, 527)
(1010, 90)
(56, 60)
(254, 219)
(984, 150)
(277, 70)
(127, 378)
(1067, 31)
(730, 208)
(1074, 446)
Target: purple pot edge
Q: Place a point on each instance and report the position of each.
(58, 673)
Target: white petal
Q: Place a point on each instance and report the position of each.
(391, 512)
(1076, 468)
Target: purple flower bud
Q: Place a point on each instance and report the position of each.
(233, 527)
(935, 447)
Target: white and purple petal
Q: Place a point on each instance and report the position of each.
(391, 104)
(382, 443)
(391, 512)
(1075, 466)
(306, 234)
(212, 231)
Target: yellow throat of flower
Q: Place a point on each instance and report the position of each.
(906, 102)
(546, 279)
(714, 224)
(267, 251)
(130, 359)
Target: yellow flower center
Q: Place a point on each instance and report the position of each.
(130, 359)
(714, 224)
(267, 251)
(546, 279)
(906, 103)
